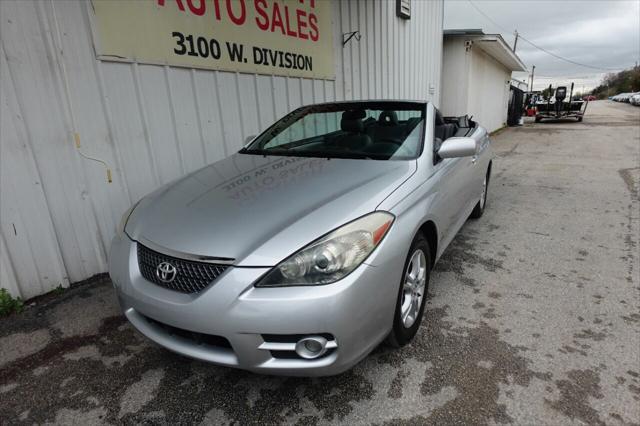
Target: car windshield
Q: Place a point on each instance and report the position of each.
(362, 130)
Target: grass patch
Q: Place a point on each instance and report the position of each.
(58, 290)
(8, 304)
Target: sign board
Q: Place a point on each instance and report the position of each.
(281, 37)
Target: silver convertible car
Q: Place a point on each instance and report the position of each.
(303, 251)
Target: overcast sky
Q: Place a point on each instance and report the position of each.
(603, 34)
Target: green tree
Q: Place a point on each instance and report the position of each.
(622, 82)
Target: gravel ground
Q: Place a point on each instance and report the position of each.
(533, 318)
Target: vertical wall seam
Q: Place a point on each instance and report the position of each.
(272, 87)
(258, 106)
(220, 118)
(362, 51)
(340, 47)
(106, 106)
(236, 79)
(174, 121)
(301, 91)
(196, 100)
(141, 101)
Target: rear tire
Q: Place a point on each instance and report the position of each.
(478, 210)
(412, 294)
(538, 119)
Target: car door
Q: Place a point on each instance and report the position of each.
(479, 165)
(455, 176)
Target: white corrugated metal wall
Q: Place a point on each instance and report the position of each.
(489, 83)
(474, 83)
(455, 77)
(152, 124)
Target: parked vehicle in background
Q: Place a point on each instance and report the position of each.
(623, 97)
(635, 99)
(303, 251)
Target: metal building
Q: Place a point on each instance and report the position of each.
(476, 71)
(151, 123)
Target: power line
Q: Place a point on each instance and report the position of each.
(565, 59)
(538, 47)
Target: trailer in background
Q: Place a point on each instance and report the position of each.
(559, 108)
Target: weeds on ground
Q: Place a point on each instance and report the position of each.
(8, 304)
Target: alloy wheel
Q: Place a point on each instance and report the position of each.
(483, 196)
(413, 288)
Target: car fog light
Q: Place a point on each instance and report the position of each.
(311, 347)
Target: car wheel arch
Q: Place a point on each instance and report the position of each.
(430, 232)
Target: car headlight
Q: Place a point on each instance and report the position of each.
(125, 218)
(333, 256)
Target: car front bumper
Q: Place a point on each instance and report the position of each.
(356, 311)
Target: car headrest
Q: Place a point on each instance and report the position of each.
(388, 118)
(351, 125)
(354, 114)
(439, 118)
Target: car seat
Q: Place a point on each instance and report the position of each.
(351, 123)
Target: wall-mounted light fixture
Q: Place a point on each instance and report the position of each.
(467, 45)
(346, 37)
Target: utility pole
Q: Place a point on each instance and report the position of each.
(533, 70)
(515, 43)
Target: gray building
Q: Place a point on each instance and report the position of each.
(476, 72)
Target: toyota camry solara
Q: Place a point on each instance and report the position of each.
(303, 251)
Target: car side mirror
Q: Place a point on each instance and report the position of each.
(249, 139)
(457, 147)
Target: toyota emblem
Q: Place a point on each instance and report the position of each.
(166, 272)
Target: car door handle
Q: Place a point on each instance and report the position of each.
(474, 159)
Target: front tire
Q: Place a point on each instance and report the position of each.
(412, 294)
(478, 210)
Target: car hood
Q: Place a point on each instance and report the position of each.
(259, 210)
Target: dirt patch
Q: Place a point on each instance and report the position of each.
(546, 130)
(77, 375)
(590, 334)
(462, 252)
(630, 181)
(473, 361)
(34, 317)
(575, 392)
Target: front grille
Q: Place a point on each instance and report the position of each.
(190, 277)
